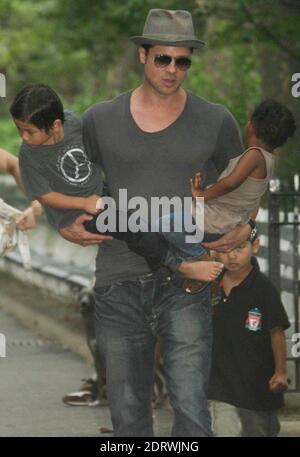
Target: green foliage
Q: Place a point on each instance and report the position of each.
(236, 82)
(10, 139)
(82, 49)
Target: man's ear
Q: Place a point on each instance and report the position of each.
(142, 55)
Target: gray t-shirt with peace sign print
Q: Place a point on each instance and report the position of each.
(62, 167)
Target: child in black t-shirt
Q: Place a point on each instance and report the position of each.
(248, 375)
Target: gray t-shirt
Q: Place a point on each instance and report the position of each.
(62, 167)
(203, 138)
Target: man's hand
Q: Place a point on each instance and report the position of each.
(76, 233)
(230, 240)
(196, 183)
(278, 383)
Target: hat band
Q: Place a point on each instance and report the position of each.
(169, 37)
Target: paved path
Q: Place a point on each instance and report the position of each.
(34, 376)
(36, 373)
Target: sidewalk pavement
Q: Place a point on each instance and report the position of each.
(35, 374)
(39, 368)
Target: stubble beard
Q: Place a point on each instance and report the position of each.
(162, 92)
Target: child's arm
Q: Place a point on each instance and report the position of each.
(278, 382)
(246, 165)
(60, 201)
(10, 164)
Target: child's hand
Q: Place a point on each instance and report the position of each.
(27, 220)
(92, 204)
(278, 383)
(196, 185)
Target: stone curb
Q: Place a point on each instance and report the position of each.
(46, 327)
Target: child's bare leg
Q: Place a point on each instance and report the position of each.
(203, 269)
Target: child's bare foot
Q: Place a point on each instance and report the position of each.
(201, 270)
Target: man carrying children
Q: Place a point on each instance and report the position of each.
(150, 141)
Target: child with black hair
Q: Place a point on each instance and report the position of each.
(53, 164)
(237, 193)
(243, 182)
(248, 373)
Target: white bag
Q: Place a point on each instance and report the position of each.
(10, 236)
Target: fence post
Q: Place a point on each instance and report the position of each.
(296, 269)
(2, 345)
(274, 238)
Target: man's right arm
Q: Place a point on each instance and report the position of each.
(76, 233)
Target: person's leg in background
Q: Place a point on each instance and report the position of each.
(87, 312)
(92, 391)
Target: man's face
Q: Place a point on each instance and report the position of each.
(239, 258)
(166, 80)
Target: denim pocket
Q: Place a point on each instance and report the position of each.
(102, 292)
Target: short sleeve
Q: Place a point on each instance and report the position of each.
(35, 185)
(90, 136)
(276, 315)
(229, 143)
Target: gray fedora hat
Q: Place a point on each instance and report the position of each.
(170, 28)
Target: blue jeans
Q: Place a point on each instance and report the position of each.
(180, 249)
(128, 318)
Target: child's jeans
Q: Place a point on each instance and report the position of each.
(230, 421)
(165, 245)
(172, 228)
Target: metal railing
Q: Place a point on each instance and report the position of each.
(284, 209)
